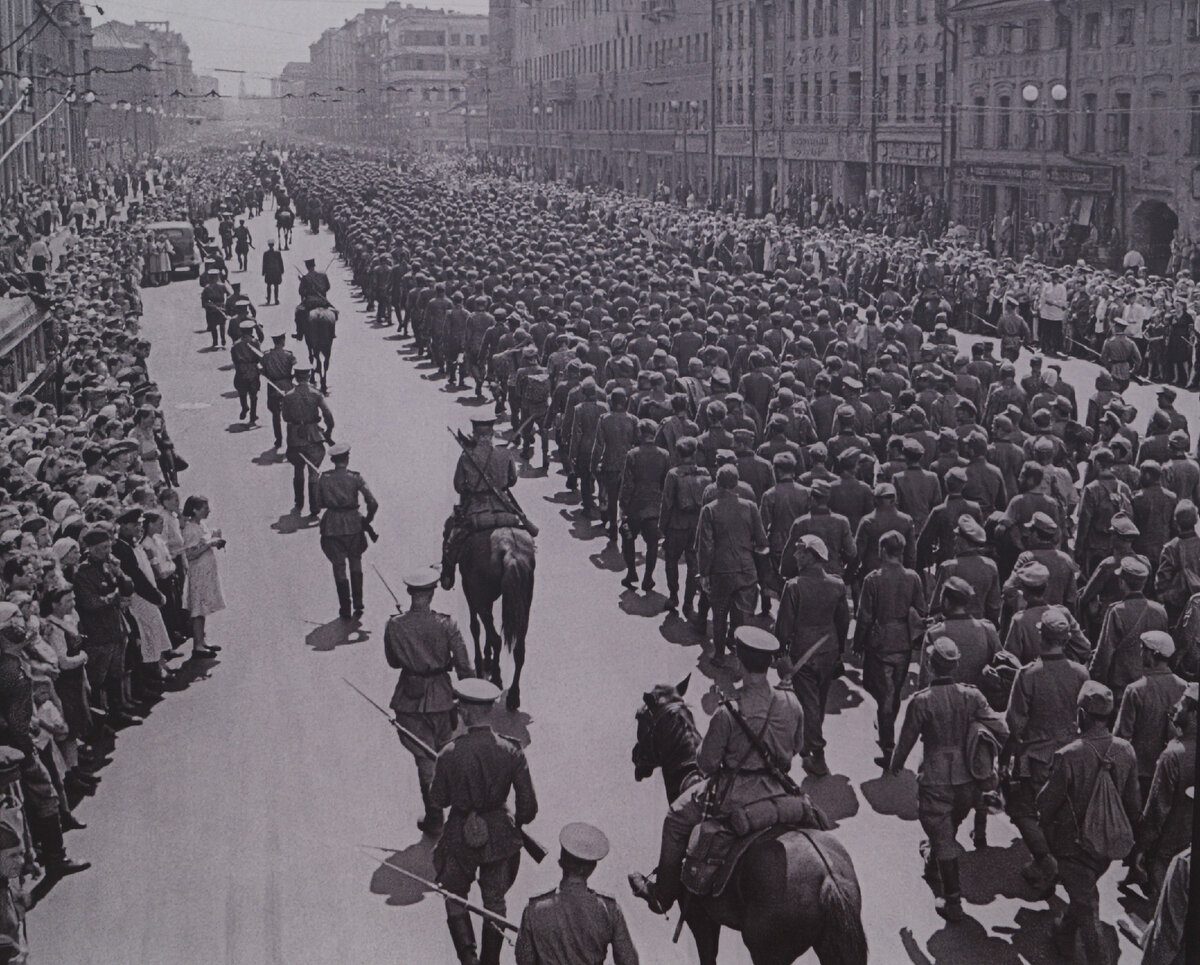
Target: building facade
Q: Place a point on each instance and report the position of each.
(1088, 112)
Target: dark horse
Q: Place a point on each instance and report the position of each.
(790, 892)
(318, 325)
(498, 564)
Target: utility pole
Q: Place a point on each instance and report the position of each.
(753, 108)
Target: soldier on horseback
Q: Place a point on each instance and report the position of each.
(482, 479)
(314, 286)
(739, 771)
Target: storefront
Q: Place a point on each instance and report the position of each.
(825, 165)
(25, 345)
(904, 163)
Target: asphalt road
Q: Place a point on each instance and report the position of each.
(225, 829)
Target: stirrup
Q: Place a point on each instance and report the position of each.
(643, 888)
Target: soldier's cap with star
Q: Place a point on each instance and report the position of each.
(1134, 567)
(968, 528)
(420, 581)
(473, 690)
(1095, 699)
(1159, 642)
(756, 638)
(1122, 525)
(1042, 523)
(583, 841)
(815, 545)
(341, 449)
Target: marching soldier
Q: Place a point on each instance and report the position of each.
(343, 528)
(303, 409)
(424, 645)
(679, 512)
(813, 624)
(277, 365)
(246, 355)
(574, 925)
(640, 498)
(473, 777)
(940, 716)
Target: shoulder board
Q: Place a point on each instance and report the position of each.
(512, 740)
(543, 897)
(602, 895)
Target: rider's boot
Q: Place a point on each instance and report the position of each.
(493, 942)
(356, 592)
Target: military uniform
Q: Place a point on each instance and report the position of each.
(981, 573)
(424, 646)
(474, 776)
(728, 536)
(246, 355)
(1165, 827)
(343, 536)
(678, 516)
(890, 611)
(277, 364)
(574, 925)
(1117, 661)
(640, 499)
(304, 409)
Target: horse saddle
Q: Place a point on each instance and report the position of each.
(713, 853)
(717, 844)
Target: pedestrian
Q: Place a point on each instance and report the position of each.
(474, 776)
(424, 646)
(204, 596)
(574, 925)
(343, 528)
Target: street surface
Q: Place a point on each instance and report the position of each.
(225, 829)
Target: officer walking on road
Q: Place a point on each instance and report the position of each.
(574, 925)
(474, 777)
(303, 409)
(343, 528)
(277, 365)
(424, 645)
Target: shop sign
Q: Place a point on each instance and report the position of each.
(909, 152)
(1095, 178)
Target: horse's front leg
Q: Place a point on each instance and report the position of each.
(514, 692)
(480, 670)
(492, 649)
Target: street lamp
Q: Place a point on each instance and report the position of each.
(1058, 95)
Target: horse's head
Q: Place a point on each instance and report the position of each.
(661, 720)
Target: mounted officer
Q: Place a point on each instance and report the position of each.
(483, 477)
(313, 289)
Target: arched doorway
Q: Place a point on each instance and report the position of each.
(1154, 225)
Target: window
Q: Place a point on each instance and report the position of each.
(791, 20)
(978, 121)
(739, 105)
(919, 95)
(855, 97)
(1033, 35)
(1121, 121)
(818, 100)
(919, 13)
(1062, 32)
(979, 40)
(884, 97)
(470, 40)
(1157, 122)
(455, 40)
(741, 28)
(835, 116)
(767, 114)
(1125, 25)
(1059, 136)
(884, 13)
(901, 96)
(1003, 121)
(1006, 37)
(1091, 31)
(1031, 127)
(789, 101)
(1089, 123)
(818, 18)
(833, 17)
(729, 30)
(1194, 123)
(854, 9)
(803, 19)
(901, 12)
(483, 40)
(939, 92)
(802, 114)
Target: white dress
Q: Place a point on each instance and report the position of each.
(203, 581)
(154, 640)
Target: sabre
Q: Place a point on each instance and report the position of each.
(808, 655)
(497, 920)
(533, 848)
(507, 498)
(388, 588)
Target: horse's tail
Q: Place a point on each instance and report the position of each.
(842, 940)
(516, 588)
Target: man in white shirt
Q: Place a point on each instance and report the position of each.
(1053, 302)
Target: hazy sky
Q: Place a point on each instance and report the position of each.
(256, 36)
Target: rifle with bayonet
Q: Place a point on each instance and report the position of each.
(505, 497)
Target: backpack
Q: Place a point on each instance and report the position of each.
(537, 388)
(1105, 832)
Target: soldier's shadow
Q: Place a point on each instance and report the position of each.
(231, 394)
(842, 697)
(676, 630)
(582, 526)
(639, 604)
(609, 558)
(290, 523)
(834, 794)
(965, 941)
(995, 872)
(336, 633)
(268, 457)
(400, 889)
(471, 400)
(226, 368)
(895, 796)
